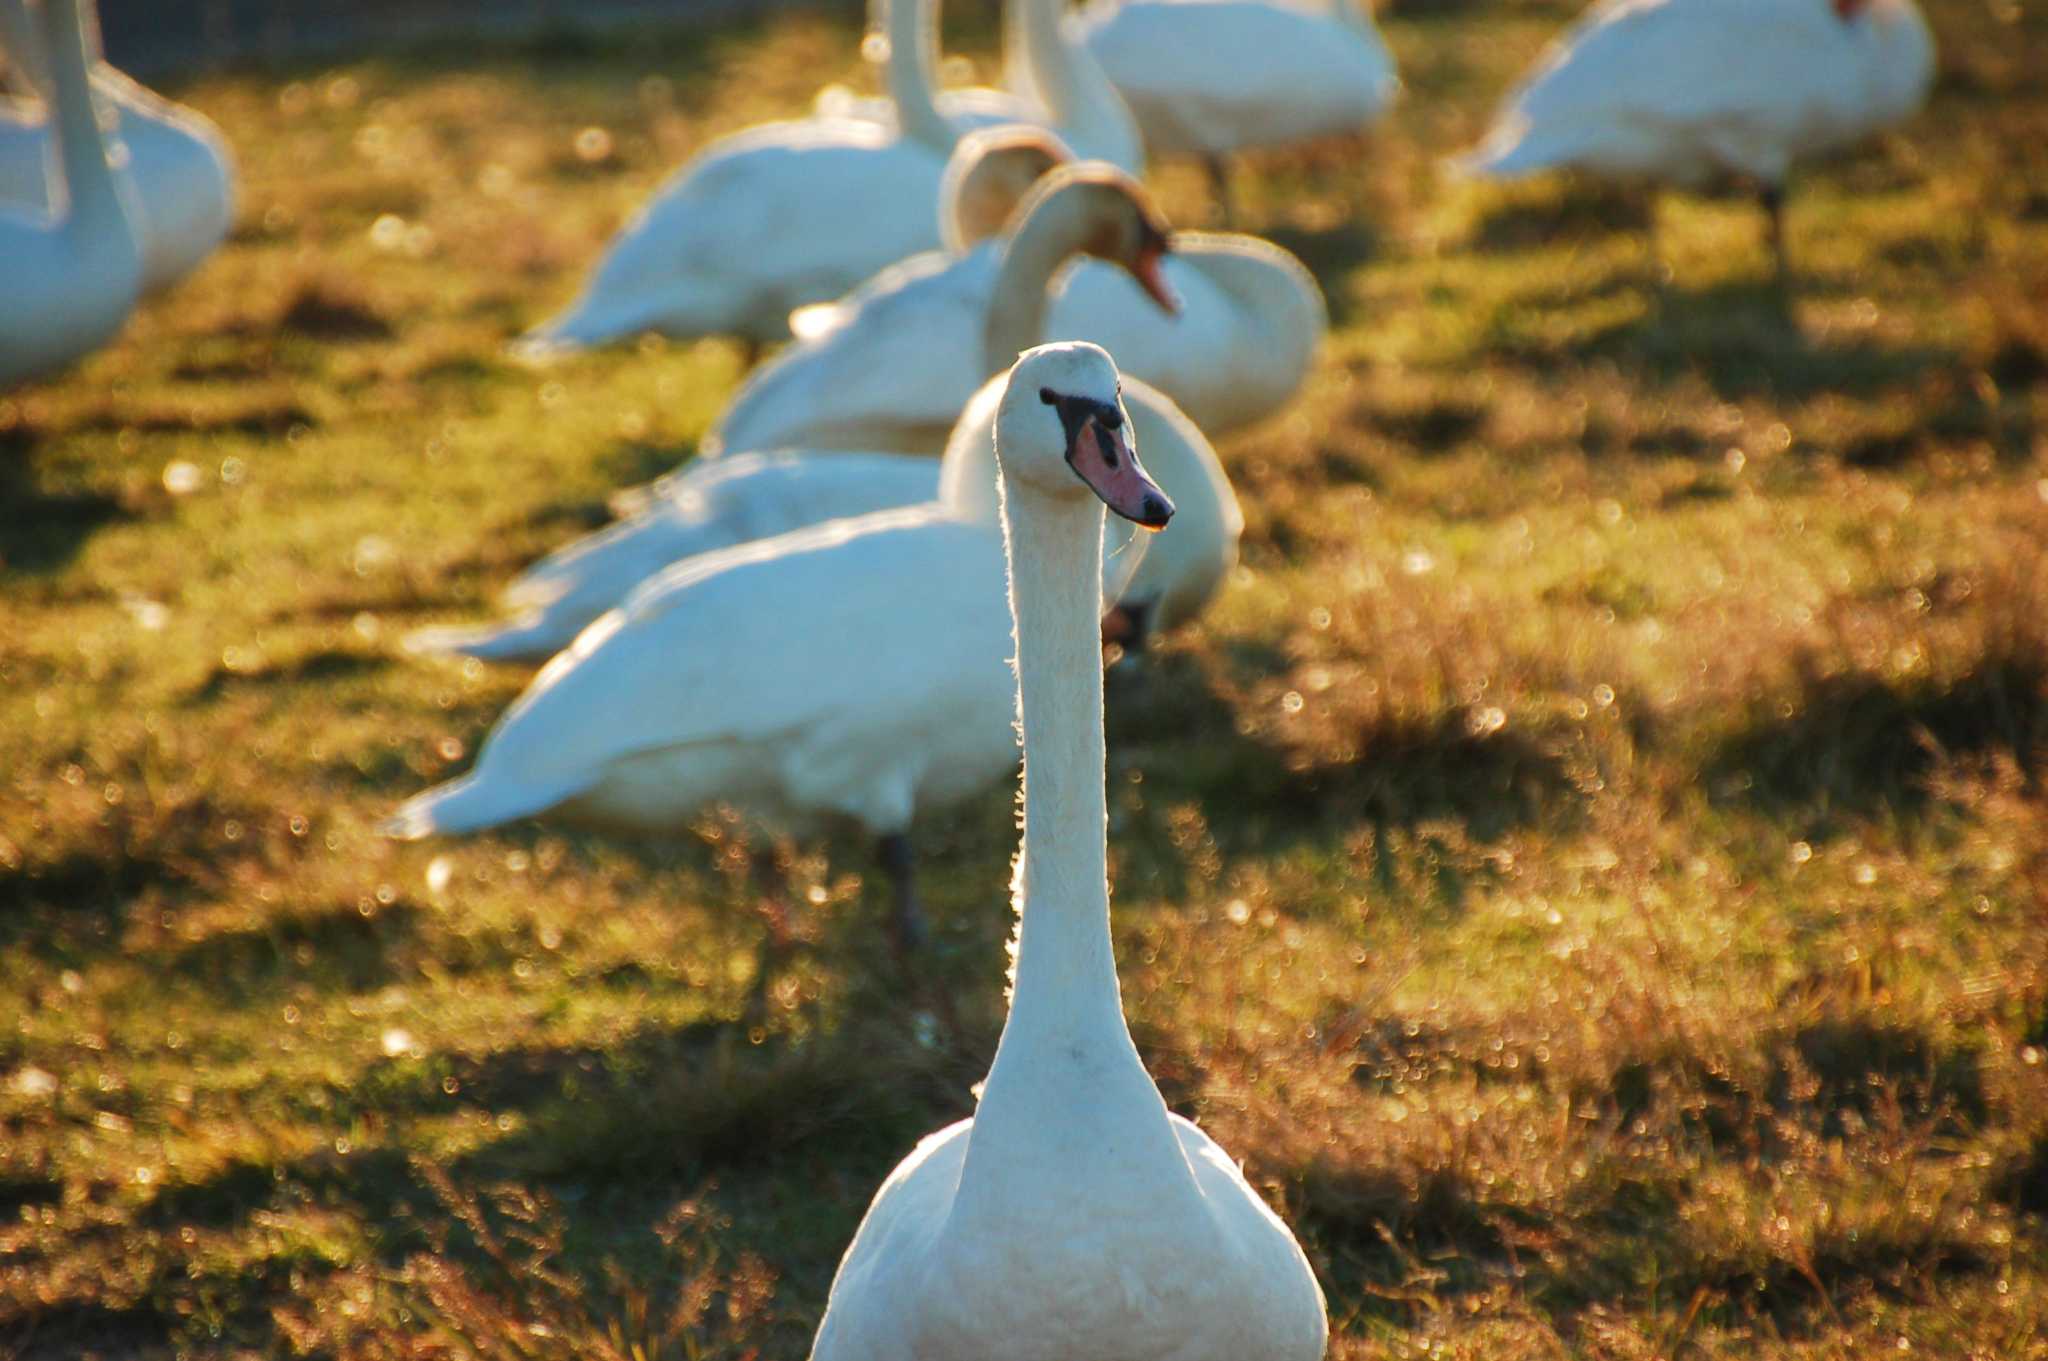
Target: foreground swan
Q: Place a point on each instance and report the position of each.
(1688, 90)
(1237, 349)
(718, 502)
(766, 220)
(178, 162)
(1069, 91)
(1073, 1216)
(1212, 77)
(66, 283)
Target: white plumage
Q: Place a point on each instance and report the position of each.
(1073, 1216)
(1687, 91)
(1212, 77)
(178, 163)
(69, 279)
(772, 218)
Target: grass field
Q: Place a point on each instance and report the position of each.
(1592, 863)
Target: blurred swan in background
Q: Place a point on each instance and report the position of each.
(1249, 322)
(1210, 78)
(1685, 91)
(718, 502)
(705, 685)
(68, 277)
(766, 220)
(1073, 1215)
(178, 162)
(1068, 91)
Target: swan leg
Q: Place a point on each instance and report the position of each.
(1773, 199)
(1128, 624)
(1219, 184)
(907, 927)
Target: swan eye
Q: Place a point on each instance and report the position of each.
(1048, 396)
(1110, 418)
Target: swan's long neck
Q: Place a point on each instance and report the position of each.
(1067, 1093)
(1050, 235)
(88, 177)
(1065, 77)
(911, 28)
(1065, 971)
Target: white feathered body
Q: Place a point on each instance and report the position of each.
(1210, 77)
(856, 670)
(761, 223)
(179, 166)
(1689, 90)
(708, 506)
(938, 1281)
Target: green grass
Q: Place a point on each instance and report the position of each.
(1592, 863)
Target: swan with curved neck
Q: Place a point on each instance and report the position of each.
(69, 280)
(1686, 91)
(1073, 1215)
(770, 219)
(1059, 86)
(1243, 74)
(178, 162)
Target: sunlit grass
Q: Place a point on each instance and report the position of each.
(1590, 864)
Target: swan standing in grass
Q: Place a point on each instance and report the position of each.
(852, 672)
(1687, 91)
(1239, 347)
(718, 502)
(1073, 1216)
(69, 279)
(178, 162)
(1069, 92)
(766, 220)
(1210, 78)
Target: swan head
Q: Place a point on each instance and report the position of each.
(1125, 226)
(988, 175)
(1062, 431)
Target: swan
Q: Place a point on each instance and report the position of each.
(1250, 321)
(1068, 91)
(718, 502)
(1211, 77)
(1073, 1215)
(69, 279)
(178, 162)
(768, 219)
(1686, 91)
(852, 671)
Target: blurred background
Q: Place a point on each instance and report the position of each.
(1590, 862)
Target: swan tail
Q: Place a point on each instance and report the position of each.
(1510, 150)
(531, 638)
(465, 805)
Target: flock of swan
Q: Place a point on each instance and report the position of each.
(808, 621)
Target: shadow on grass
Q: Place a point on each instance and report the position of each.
(337, 947)
(1588, 208)
(1863, 742)
(1331, 255)
(1409, 772)
(41, 529)
(1743, 339)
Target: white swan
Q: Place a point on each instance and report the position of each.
(1250, 321)
(1073, 1216)
(178, 162)
(1067, 91)
(1688, 90)
(851, 671)
(769, 219)
(1212, 77)
(717, 502)
(68, 281)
